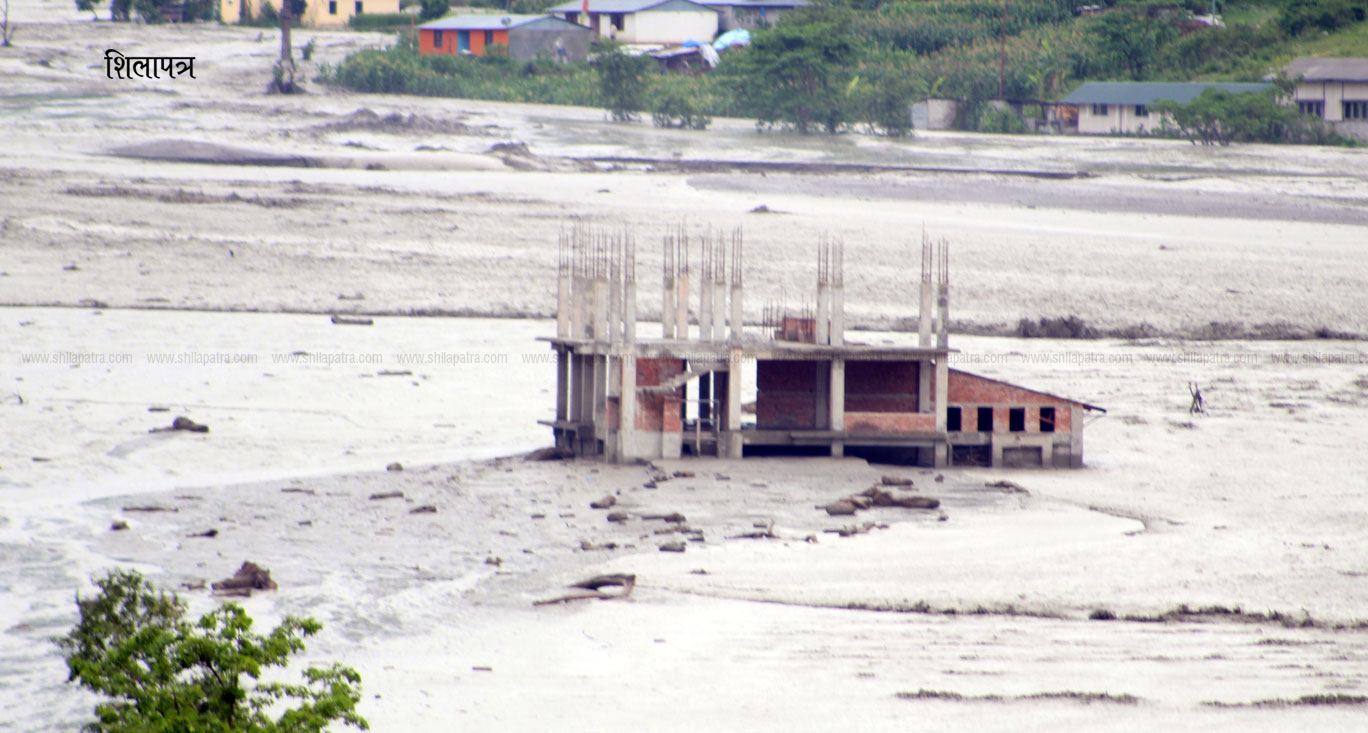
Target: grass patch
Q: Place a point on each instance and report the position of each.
(1087, 698)
(1303, 701)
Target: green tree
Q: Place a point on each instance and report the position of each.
(434, 9)
(1132, 40)
(622, 81)
(165, 674)
(1220, 117)
(800, 74)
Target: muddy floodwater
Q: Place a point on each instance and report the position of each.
(176, 248)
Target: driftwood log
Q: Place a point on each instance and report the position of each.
(592, 588)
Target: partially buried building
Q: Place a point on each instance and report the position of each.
(623, 397)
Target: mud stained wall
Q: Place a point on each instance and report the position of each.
(881, 386)
(786, 394)
(658, 412)
(969, 392)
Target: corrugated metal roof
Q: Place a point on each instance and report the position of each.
(1316, 69)
(621, 6)
(756, 3)
(482, 22)
(1145, 92)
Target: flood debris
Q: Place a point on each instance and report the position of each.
(672, 517)
(387, 495)
(1007, 487)
(248, 578)
(118, 525)
(148, 508)
(424, 509)
(340, 320)
(208, 534)
(606, 502)
(593, 588)
(396, 466)
(182, 423)
(895, 480)
(673, 546)
(763, 531)
(588, 546)
(876, 496)
(853, 529)
(297, 490)
(618, 516)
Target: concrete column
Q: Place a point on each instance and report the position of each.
(600, 395)
(737, 326)
(823, 314)
(682, 311)
(599, 304)
(563, 305)
(614, 319)
(943, 321)
(629, 297)
(562, 385)
(705, 307)
(924, 315)
(667, 309)
(719, 333)
(837, 407)
(942, 396)
(579, 299)
(838, 315)
(733, 406)
(627, 449)
(562, 397)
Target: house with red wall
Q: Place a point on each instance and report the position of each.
(624, 396)
(526, 37)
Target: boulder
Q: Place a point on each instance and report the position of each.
(837, 508)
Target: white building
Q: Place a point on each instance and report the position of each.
(1123, 107)
(664, 22)
(1336, 90)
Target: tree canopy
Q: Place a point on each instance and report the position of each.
(163, 673)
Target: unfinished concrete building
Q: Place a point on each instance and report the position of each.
(623, 396)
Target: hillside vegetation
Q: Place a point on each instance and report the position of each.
(860, 61)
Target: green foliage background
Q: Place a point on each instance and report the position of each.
(850, 63)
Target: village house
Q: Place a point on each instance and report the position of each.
(623, 397)
(318, 13)
(1336, 90)
(751, 14)
(1124, 107)
(526, 37)
(654, 22)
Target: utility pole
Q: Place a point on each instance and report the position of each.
(284, 82)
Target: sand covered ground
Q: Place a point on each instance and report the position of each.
(131, 283)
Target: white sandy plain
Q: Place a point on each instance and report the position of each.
(1258, 505)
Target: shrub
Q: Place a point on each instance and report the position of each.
(161, 672)
(378, 21)
(1000, 119)
(434, 9)
(674, 108)
(622, 81)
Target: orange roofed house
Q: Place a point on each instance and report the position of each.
(526, 37)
